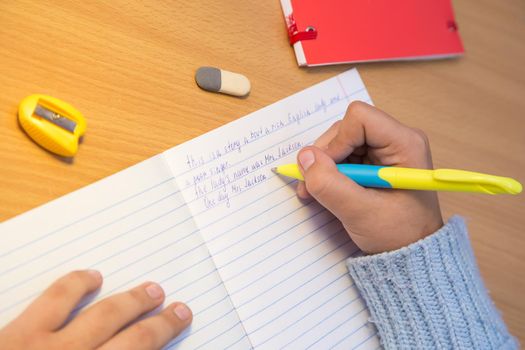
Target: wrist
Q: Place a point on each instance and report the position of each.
(396, 235)
(430, 294)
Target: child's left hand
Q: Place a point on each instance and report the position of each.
(105, 325)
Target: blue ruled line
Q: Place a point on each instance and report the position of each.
(324, 303)
(300, 286)
(214, 222)
(221, 283)
(321, 321)
(86, 251)
(364, 341)
(203, 327)
(258, 311)
(206, 292)
(219, 335)
(238, 340)
(274, 269)
(283, 248)
(89, 233)
(271, 239)
(322, 272)
(262, 228)
(209, 273)
(283, 329)
(349, 335)
(83, 218)
(338, 326)
(218, 268)
(251, 218)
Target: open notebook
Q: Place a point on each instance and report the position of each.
(217, 229)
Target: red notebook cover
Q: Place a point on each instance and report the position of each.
(341, 31)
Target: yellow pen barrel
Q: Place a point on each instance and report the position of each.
(448, 180)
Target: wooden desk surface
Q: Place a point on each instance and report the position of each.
(129, 68)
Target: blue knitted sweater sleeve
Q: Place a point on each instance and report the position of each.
(430, 295)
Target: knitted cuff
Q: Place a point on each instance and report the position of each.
(430, 295)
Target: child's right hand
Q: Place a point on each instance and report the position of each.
(377, 220)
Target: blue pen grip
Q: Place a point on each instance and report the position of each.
(364, 174)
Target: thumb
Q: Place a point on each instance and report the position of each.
(333, 190)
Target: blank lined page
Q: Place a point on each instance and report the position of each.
(281, 260)
(134, 227)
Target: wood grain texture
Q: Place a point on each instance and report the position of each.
(129, 66)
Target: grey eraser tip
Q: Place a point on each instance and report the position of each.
(208, 78)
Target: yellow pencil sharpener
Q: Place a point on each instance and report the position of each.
(53, 124)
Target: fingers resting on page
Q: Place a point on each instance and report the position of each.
(112, 323)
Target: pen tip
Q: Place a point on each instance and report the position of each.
(274, 170)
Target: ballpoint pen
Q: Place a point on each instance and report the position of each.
(417, 179)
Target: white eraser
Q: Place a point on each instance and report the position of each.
(219, 80)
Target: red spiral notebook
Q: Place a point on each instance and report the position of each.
(341, 31)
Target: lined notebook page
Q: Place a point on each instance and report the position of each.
(133, 226)
(218, 230)
(282, 260)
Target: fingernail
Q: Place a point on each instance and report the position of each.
(154, 291)
(182, 312)
(306, 158)
(96, 274)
